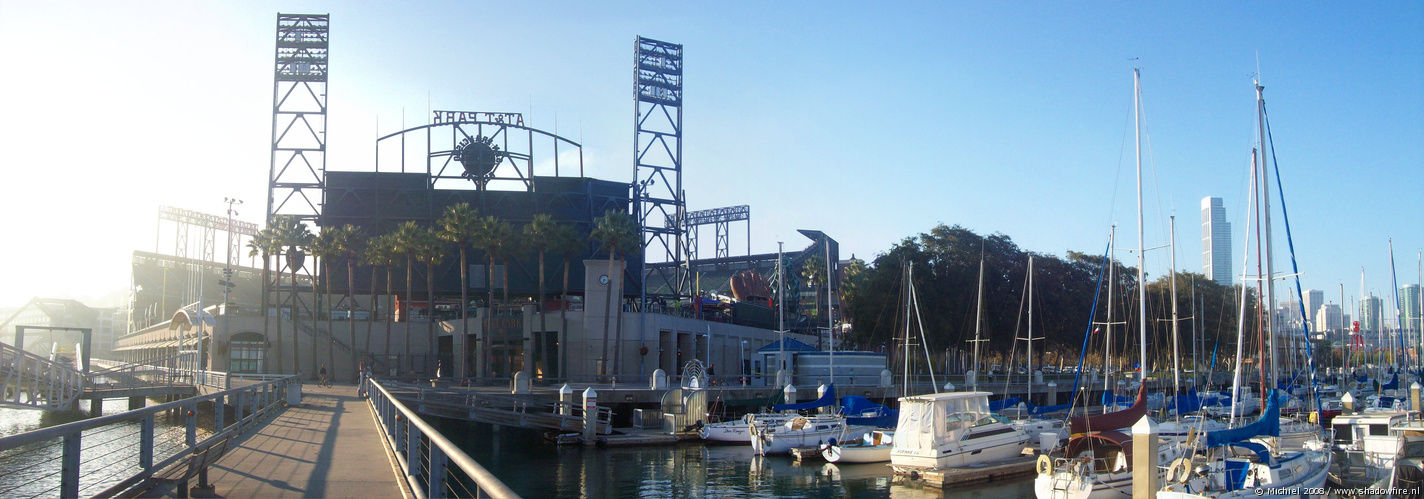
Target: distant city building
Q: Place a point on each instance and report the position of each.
(1216, 241)
(1409, 306)
(1371, 309)
(1314, 298)
(1327, 318)
(51, 312)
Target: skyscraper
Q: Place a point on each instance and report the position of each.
(1327, 318)
(1409, 306)
(1371, 307)
(1314, 298)
(1216, 241)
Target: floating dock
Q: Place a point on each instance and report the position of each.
(983, 472)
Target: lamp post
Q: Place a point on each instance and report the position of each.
(226, 282)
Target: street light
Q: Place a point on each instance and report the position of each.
(227, 280)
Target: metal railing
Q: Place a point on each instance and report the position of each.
(433, 466)
(109, 472)
(47, 384)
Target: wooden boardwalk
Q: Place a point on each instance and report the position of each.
(328, 447)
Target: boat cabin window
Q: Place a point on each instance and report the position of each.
(1343, 434)
(1379, 429)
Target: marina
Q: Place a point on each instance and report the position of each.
(506, 293)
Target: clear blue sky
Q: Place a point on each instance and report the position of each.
(869, 122)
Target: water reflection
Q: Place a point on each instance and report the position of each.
(534, 468)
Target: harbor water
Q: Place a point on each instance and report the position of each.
(535, 468)
(109, 454)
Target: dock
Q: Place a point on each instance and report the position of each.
(984, 472)
(326, 447)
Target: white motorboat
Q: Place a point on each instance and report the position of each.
(798, 432)
(873, 447)
(943, 430)
(738, 431)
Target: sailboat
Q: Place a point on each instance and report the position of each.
(1238, 462)
(1094, 462)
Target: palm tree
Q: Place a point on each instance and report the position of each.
(377, 254)
(294, 235)
(264, 243)
(406, 238)
(493, 236)
(323, 249)
(565, 242)
(459, 226)
(349, 243)
(813, 273)
(430, 250)
(615, 231)
(539, 235)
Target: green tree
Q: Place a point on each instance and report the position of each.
(566, 243)
(322, 248)
(430, 250)
(383, 252)
(407, 240)
(615, 232)
(494, 237)
(348, 244)
(294, 235)
(264, 243)
(459, 225)
(538, 234)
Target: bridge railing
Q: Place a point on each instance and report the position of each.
(433, 466)
(110, 469)
(46, 384)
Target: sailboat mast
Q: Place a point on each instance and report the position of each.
(1266, 225)
(1176, 364)
(1196, 366)
(1030, 327)
(830, 314)
(909, 274)
(1241, 312)
(1141, 274)
(978, 319)
(780, 314)
(1107, 340)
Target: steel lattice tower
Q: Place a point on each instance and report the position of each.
(659, 202)
(296, 177)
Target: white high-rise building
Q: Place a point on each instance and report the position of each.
(1216, 241)
(1314, 298)
(1328, 318)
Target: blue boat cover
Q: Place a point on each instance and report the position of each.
(1188, 402)
(999, 405)
(829, 399)
(1269, 425)
(861, 411)
(1392, 384)
(1049, 409)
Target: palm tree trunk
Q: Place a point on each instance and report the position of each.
(543, 335)
(371, 319)
(296, 348)
(330, 342)
(608, 296)
(409, 267)
(350, 305)
(489, 316)
(504, 300)
(617, 327)
(564, 326)
(281, 306)
(458, 356)
(392, 318)
(266, 288)
(430, 324)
